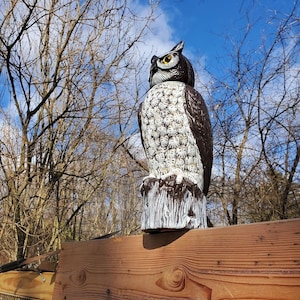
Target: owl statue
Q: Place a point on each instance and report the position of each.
(177, 138)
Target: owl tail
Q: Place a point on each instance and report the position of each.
(171, 206)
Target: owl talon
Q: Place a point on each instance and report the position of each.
(178, 177)
(149, 177)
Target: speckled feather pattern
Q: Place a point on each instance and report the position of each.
(168, 140)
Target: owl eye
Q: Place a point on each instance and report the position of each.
(167, 59)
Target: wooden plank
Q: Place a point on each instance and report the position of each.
(27, 261)
(27, 284)
(257, 261)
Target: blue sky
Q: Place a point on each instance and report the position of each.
(205, 25)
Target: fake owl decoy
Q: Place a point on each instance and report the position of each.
(175, 127)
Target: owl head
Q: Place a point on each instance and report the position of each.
(172, 66)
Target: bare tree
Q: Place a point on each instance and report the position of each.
(64, 113)
(257, 128)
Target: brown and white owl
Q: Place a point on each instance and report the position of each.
(174, 122)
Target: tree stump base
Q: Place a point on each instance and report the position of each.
(168, 205)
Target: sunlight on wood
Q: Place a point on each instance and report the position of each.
(256, 261)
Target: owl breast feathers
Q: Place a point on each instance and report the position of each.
(174, 123)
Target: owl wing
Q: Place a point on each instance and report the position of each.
(198, 117)
(140, 123)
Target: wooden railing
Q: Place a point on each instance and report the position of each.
(258, 261)
(26, 285)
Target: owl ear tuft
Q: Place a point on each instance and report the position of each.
(178, 47)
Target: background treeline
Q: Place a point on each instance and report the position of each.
(72, 77)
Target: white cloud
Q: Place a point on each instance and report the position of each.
(156, 41)
(160, 39)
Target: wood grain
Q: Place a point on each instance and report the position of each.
(257, 261)
(27, 284)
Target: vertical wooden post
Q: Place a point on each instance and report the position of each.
(169, 205)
